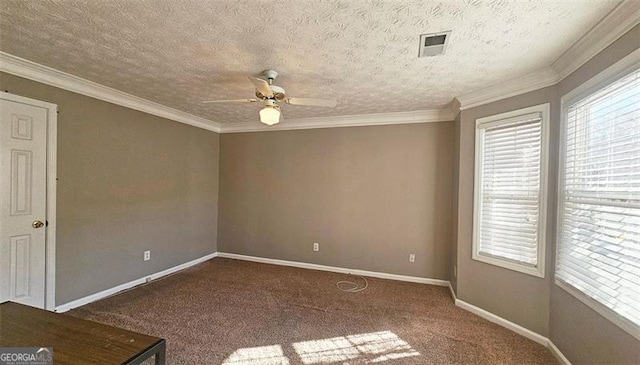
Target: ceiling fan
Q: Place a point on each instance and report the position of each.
(270, 95)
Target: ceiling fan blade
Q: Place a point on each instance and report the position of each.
(262, 86)
(230, 101)
(329, 103)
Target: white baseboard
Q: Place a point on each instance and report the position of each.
(111, 291)
(503, 322)
(558, 354)
(460, 303)
(413, 279)
(511, 326)
(544, 341)
(453, 293)
(304, 265)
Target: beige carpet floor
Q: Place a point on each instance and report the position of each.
(233, 312)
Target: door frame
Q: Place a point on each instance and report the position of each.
(50, 234)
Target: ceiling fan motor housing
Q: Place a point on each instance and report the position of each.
(278, 93)
(270, 102)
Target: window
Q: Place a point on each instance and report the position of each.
(598, 254)
(510, 189)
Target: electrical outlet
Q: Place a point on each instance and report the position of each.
(316, 247)
(147, 255)
(455, 270)
(412, 257)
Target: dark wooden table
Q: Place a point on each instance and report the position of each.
(75, 340)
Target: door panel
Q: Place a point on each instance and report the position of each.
(20, 182)
(23, 136)
(20, 270)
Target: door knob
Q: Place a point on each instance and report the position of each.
(37, 224)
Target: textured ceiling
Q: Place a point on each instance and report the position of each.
(363, 53)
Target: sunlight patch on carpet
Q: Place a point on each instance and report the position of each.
(264, 355)
(369, 347)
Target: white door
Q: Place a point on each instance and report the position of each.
(23, 183)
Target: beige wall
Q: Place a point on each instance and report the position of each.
(127, 182)
(518, 297)
(538, 304)
(582, 334)
(369, 195)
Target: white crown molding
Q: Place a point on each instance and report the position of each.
(614, 25)
(30, 70)
(619, 21)
(530, 82)
(420, 116)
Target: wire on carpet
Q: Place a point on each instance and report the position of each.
(352, 287)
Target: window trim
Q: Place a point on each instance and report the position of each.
(539, 269)
(613, 73)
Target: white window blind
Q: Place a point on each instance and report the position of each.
(509, 194)
(599, 218)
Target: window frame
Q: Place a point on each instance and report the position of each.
(539, 269)
(620, 69)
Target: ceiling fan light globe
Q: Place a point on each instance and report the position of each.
(269, 115)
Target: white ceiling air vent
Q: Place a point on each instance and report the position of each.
(433, 44)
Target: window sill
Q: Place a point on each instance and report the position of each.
(537, 271)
